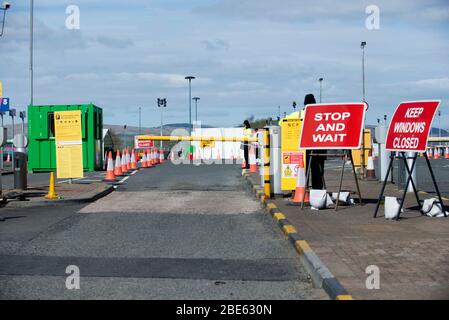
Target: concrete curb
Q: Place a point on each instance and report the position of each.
(321, 276)
(29, 204)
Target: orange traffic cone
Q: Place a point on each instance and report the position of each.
(124, 166)
(133, 164)
(149, 159)
(301, 195)
(436, 154)
(128, 159)
(155, 156)
(143, 161)
(370, 172)
(161, 158)
(118, 165)
(252, 159)
(110, 176)
(446, 152)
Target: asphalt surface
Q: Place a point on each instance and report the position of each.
(39, 179)
(170, 232)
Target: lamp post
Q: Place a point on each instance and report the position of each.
(196, 108)
(140, 121)
(190, 78)
(124, 136)
(12, 114)
(5, 8)
(439, 124)
(22, 115)
(162, 103)
(31, 52)
(362, 46)
(321, 86)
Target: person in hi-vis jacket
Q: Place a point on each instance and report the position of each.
(247, 133)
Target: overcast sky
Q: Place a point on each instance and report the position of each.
(249, 56)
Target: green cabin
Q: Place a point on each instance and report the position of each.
(41, 133)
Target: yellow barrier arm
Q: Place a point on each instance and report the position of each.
(193, 138)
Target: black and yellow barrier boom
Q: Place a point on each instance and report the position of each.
(194, 138)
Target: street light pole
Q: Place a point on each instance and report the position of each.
(321, 86)
(6, 6)
(162, 103)
(22, 115)
(362, 46)
(124, 137)
(439, 124)
(12, 114)
(140, 121)
(362, 153)
(190, 78)
(31, 51)
(196, 108)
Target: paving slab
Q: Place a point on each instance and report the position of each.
(412, 254)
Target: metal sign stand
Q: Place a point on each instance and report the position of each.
(409, 180)
(345, 156)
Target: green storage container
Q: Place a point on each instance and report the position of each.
(41, 147)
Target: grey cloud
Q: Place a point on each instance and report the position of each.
(215, 45)
(323, 10)
(114, 42)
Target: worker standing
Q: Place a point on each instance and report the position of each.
(247, 133)
(316, 162)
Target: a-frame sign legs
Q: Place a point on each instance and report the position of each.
(384, 184)
(409, 180)
(344, 155)
(435, 184)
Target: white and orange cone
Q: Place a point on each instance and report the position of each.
(118, 165)
(370, 172)
(155, 156)
(149, 158)
(446, 152)
(252, 159)
(133, 161)
(436, 154)
(161, 156)
(128, 160)
(301, 194)
(110, 176)
(124, 166)
(143, 161)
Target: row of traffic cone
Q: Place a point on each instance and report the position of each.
(437, 152)
(127, 161)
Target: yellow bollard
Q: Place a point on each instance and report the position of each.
(51, 191)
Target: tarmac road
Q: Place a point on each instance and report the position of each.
(170, 232)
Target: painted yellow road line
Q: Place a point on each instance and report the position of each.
(344, 297)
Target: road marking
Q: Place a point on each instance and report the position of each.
(123, 180)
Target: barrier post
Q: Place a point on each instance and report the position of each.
(266, 162)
